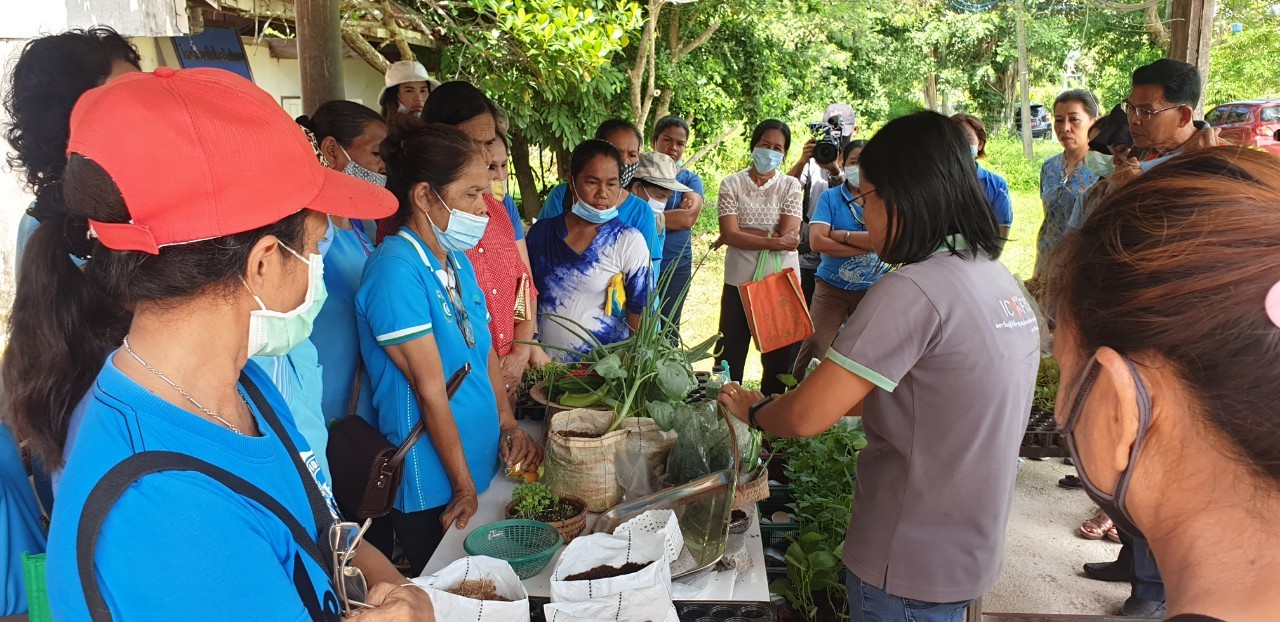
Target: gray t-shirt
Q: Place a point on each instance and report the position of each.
(953, 347)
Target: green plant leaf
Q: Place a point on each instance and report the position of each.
(675, 379)
(610, 368)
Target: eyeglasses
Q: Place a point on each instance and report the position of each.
(1142, 113)
(858, 201)
(348, 581)
(459, 308)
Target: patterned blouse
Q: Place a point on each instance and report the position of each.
(498, 267)
(1058, 194)
(757, 207)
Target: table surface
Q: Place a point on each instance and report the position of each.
(744, 584)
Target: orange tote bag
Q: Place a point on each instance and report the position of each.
(776, 311)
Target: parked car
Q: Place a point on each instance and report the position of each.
(1248, 123)
(1041, 122)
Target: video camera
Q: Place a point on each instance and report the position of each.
(828, 139)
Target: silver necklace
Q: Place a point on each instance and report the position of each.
(183, 392)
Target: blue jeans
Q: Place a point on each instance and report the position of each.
(868, 603)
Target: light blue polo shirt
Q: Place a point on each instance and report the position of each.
(517, 222)
(634, 212)
(836, 210)
(997, 193)
(178, 545)
(336, 339)
(677, 249)
(298, 378)
(20, 516)
(402, 298)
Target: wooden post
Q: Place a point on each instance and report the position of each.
(319, 52)
(1191, 35)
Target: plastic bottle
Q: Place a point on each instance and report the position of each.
(719, 376)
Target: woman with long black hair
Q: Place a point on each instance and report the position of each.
(188, 279)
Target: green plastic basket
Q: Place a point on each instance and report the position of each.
(528, 545)
(37, 595)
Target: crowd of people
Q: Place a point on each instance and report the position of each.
(372, 264)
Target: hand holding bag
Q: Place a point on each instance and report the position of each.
(366, 468)
(775, 306)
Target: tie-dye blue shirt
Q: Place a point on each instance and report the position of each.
(574, 285)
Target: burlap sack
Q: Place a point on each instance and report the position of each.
(586, 468)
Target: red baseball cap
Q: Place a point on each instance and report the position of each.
(204, 153)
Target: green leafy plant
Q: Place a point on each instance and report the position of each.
(1047, 379)
(536, 501)
(813, 567)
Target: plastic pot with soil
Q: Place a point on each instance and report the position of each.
(566, 514)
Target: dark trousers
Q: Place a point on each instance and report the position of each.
(419, 534)
(808, 281)
(736, 340)
(673, 301)
(1146, 583)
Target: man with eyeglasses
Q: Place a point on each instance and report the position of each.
(1160, 110)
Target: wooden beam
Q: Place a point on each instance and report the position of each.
(319, 53)
(1191, 35)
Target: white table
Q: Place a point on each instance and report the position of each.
(747, 584)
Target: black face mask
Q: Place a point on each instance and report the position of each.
(1113, 504)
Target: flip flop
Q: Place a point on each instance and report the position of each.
(1097, 528)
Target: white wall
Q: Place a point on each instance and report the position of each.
(279, 77)
(24, 19)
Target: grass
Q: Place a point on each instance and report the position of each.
(702, 307)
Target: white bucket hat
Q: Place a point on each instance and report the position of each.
(406, 71)
(660, 170)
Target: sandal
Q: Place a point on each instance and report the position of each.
(1098, 527)
(1113, 534)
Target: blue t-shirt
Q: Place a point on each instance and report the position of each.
(177, 545)
(997, 193)
(634, 212)
(677, 249)
(402, 298)
(836, 209)
(20, 518)
(576, 286)
(517, 222)
(336, 339)
(298, 378)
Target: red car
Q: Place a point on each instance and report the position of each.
(1248, 123)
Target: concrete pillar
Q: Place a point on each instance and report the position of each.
(319, 52)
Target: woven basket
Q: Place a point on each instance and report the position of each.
(752, 490)
(569, 528)
(538, 393)
(527, 545)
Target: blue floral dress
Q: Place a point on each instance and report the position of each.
(1058, 193)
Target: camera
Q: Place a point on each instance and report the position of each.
(828, 139)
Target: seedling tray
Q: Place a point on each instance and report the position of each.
(1042, 439)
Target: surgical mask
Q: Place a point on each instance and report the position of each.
(657, 205)
(593, 215)
(464, 232)
(1099, 164)
(766, 159)
(851, 175)
(498, 189)
(1150, 164)
(628, 172)
(276, 333)
(973, 151)
(359, 172)
(1113, 504)
(326, 242)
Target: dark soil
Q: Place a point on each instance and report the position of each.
(564, 511)
(606, 572)
(578, 434)
(478, 589)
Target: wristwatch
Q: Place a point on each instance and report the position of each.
(751, 413)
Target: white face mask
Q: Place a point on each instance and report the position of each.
(276, 333)
(851, 175)
(657, 205)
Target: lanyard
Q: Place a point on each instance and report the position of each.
(365, 244)
(448, 278)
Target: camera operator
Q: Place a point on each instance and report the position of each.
(819, 169)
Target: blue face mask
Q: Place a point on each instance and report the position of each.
(326, 242)
(766, 159)
(593, 215)
(973, 151)
(1100, 164)
(464, 232)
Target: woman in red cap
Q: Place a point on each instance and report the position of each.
(205, 253)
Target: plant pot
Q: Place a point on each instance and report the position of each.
(751, 490)
(568, 528)
(539, 394)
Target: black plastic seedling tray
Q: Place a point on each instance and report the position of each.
(1042, 439)
(694, 611)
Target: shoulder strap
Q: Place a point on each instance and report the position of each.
(420, 428)
(353, 405)
(320, 511)
(123, 475)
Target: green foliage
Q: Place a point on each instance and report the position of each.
(1004, 157)
(813, 566)
(1243, 66)
(1047, 380)
(534, 501)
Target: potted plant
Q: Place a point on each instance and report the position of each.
(536, 501)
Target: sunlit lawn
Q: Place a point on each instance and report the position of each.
(702, 308)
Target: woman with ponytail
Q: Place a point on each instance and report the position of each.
(188, 279)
